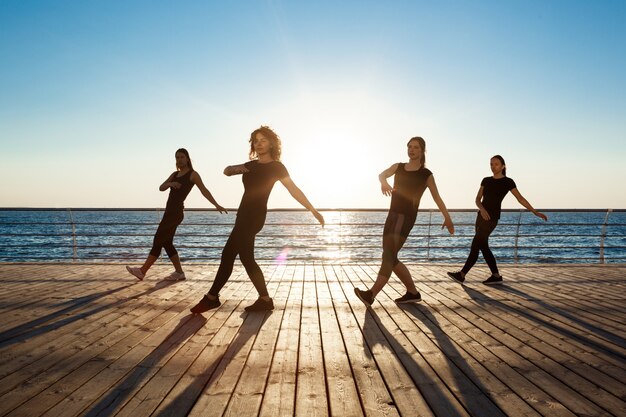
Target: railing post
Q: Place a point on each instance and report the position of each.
(430, 222)
(603, 234)
(519, 222)
(69, 211)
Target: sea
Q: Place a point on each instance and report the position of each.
(107, 235)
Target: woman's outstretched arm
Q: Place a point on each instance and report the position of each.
(195, 178)
(299, 196)
(447, 221)
(525, 203)
(235, 170)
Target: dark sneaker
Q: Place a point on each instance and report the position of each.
(409, 298)
(365, 296)
(493, 280)
(205, 304)
(136, 272)
(261, 305)
(457, 276)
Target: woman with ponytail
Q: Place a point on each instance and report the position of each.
(489, 202)
(410, 181)
(180, 183)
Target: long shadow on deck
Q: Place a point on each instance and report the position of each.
(484, 300)
(437, 396)
(33, 328)
(109, 404)
(184, 402)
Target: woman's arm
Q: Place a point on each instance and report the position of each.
(235, 170)
(195, 178)
(479, 203)
(299, 196)
(169, 183)
(526, 204)
(382, 177)
(447, 221)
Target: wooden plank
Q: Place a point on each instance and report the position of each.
(342, 394)
(549, 375)
(376, 399)
(280, 391)
(311, 395)
(406, 396)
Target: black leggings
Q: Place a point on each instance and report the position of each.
(397, 229)
(481, 243)
(241, 242)
(164, 236)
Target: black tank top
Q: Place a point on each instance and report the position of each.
(409, 188)
(176, 199)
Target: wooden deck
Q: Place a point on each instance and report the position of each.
(87, 339)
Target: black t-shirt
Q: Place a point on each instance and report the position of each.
(409, 187)
(258, 183)
(176, 199)
(494, 192)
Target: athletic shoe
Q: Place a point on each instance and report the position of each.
(365, 296)
(137, 272)
(457, 276)
(493, 280)
(409, 298)
(176, 276)
(261, 305)
(205, 304)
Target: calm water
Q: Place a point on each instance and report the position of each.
(349, 236)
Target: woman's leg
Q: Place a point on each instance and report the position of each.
(405, 277)
(395, 233)
(246, 255)
(474, 249)
(485, 231)
(165, 233)
(229, 253)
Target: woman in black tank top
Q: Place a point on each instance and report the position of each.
(258, 176)
(180, 184)
(410, 182)
(489, 202)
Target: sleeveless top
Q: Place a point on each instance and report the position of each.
(409, 187)
(176, 199)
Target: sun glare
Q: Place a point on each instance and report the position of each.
(331, 151)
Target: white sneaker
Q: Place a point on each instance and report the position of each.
(175, 276)
(136, 272)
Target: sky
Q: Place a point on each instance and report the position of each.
(96, 96)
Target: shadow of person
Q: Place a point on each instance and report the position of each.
(36, 327)
(108, 405)
(196, 393)
(440, 399)
(559, 325)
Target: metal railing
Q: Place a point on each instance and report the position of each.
(586, 236)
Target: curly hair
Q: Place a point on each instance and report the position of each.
(275, 143)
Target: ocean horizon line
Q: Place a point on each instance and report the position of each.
(295, 209)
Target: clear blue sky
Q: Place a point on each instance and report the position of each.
(95, 97)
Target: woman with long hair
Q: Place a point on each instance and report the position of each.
(489, 202)
(180, 183)
(410, 181)
(258, 176)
